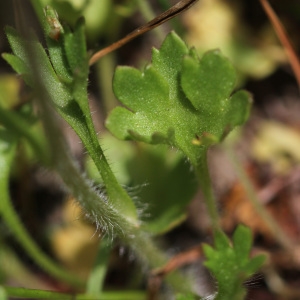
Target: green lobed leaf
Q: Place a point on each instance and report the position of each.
(231, 264)
(178, 100)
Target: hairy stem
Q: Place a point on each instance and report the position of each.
(107, 218)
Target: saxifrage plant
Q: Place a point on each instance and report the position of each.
(179, 100)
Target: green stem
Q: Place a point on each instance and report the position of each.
(106, 217)
(78, 115)
(203, 176)
(281, 236)
(115, 195)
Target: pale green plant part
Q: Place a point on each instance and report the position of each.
(179, 100)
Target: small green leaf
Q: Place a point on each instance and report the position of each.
(231, 264)
(22, 49)
(255, 264)
(178, 100)
(17, 43)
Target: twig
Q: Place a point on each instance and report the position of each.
(172, 12)
(283, 37)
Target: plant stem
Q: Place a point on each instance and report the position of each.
(202, 172)
(281, 236)
(98, 210)
(107, 218)
(78, 115)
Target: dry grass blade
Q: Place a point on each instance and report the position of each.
(282, 35)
